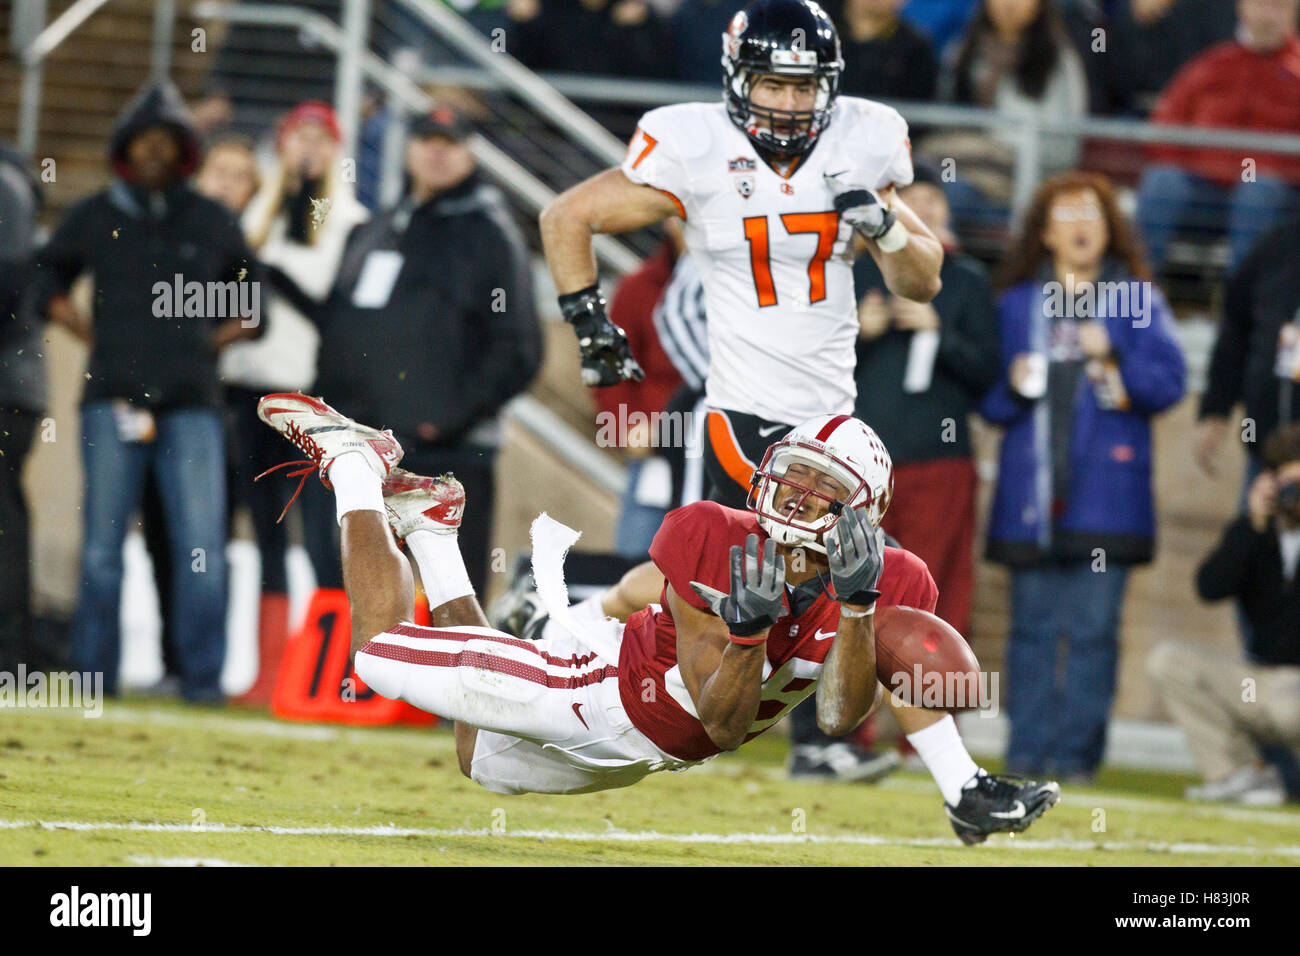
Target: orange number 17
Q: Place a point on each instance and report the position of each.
(824, 224)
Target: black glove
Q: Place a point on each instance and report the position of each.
(856, 558)
(606, 356)
(757, 588)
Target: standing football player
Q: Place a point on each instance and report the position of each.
(737, 640)
(779, 187)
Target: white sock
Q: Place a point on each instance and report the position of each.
(442, 569)
(589, 611)
(356, 486)
(940, 747)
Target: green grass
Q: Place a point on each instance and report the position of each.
(146, 762)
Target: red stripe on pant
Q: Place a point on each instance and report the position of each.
(487, 662)
(445, 634)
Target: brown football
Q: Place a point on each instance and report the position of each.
(924, 661)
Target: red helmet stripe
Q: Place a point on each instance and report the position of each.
(830, 427)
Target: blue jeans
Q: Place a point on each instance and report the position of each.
(188, 459)
(1061, 661)
(1171, 201)
(637, 523)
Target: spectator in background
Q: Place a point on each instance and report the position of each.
(1151, 40)
(1256, 358)
(922, 369)
(22, 402)
(1250, 82)
(649, 476)
(1204, 690)
(228, 175)
(152, 398)
(682, 326)
(885, 57)
(430, 329)
(1088, 357)
(1015, 58)
(297, 226)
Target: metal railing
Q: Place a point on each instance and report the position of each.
(533, 416)
(510, 74)
(1030, 131)
(32, 51)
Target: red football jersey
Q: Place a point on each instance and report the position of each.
(694, 544)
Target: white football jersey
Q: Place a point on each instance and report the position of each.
(778, 287)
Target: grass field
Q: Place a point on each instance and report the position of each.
(157, 783)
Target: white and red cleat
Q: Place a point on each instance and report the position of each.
(417, 503)
(322, 434)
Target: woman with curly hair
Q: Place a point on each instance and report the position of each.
(1089, 357)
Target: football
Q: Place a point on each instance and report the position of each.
(921, 659)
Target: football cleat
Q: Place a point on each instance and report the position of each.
(520, 611)
(841, 761)
(417, 503)
(999, 803)
(322, 434)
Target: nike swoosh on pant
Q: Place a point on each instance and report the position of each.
(578, 712)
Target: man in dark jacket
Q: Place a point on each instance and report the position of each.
(1256, 358)
(174, 283)
(1231, 708)
(429, 330)
(22, 399)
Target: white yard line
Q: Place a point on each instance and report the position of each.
(436, 742)
(183, 861)
(652, 836)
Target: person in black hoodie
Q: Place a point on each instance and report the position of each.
(429, 330)
(22, 400)
(173, 284)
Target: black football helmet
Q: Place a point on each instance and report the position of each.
(787, 38)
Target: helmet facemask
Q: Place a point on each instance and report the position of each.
(782, 525)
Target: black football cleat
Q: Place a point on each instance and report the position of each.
(841, 761)
(519, 611)
(999, 803)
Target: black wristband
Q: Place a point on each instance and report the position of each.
(749, 628)
(861, 597)
(583, 304)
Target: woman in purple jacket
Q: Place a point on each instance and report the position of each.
(1089, 356)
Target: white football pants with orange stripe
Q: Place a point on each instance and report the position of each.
(549, 714)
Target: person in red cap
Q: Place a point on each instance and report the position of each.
(297, 224)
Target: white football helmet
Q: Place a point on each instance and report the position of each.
(840, 446)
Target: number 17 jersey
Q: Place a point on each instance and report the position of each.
(778, 281)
